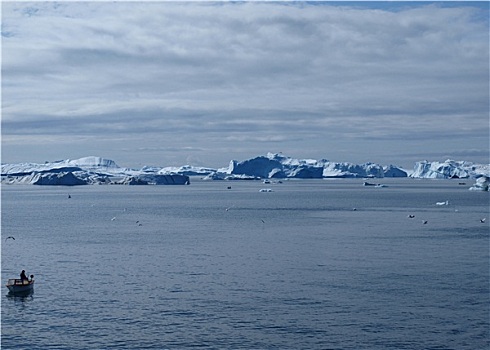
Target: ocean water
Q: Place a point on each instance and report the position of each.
(315, 264)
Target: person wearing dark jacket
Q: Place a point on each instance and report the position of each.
(23, 276)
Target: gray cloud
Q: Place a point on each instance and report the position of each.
(237, 78)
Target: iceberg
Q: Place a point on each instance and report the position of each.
(92, 163)
(187, 170)
(266, 190)
(154, 179)
(214, 176)
(98, 170)
(47, 178)
(275, 165)
(450, 169)
(481, 184)
(84, 171)
(349, 170)
(262, 167)
(393, 171)
(164, 179)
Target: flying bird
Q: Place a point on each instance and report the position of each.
(10, 237)
(424, 222)
(411, 216)
(483, 220)
(443, 203)
(114, 218)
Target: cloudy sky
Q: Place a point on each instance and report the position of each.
(201, 83)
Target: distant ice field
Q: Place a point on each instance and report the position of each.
(314, 264)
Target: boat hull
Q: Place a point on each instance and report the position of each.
(20, 287)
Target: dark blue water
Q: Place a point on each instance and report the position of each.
(163, 267)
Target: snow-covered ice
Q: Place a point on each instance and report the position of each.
(83, 171)
(98, 170)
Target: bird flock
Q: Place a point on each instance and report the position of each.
(444, 203)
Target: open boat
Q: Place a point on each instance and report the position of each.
(18, 286)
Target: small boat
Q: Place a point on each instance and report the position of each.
(18, 286)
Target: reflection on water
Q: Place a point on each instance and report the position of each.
(22, 297)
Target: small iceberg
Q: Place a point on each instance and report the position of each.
(481, 184)
(368, 184)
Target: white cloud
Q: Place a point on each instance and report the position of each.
(244, 72)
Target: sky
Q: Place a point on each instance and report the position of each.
(202, 83)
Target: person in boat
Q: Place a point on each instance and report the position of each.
(23, 276)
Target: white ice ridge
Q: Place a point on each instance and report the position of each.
(98, 170)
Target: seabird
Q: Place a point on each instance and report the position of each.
(411, 216)
(10, 237)
(443, 203)
(483, 220)
(114, 218)
(424, 222)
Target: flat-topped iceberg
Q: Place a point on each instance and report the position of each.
(275, 165)
(278, 166)
(46, 178)
(450, 169)
(92, 163)
(96, 164)
(84, 171)
(188, 170)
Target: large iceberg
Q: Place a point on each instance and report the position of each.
(46, 178)
(278, 166)
(450, 169)
(83, 171)
(275, 165)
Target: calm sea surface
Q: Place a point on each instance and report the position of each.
(320, 264)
